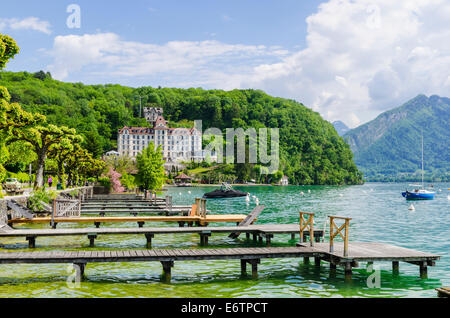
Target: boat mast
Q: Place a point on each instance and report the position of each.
(422, 162)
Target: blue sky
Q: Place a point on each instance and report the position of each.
(347, 59)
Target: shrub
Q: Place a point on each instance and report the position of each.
(39, 196)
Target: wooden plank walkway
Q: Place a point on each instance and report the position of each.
(443, 292)
(258, 231)
(226, 218)
(373, 252)
(363, 251)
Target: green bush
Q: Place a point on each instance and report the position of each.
(105, 182)
(39, 196)
(128, 181)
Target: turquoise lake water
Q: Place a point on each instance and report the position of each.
(379, 214)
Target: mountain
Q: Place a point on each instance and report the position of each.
(311, 152)
(388, 148)
(340, 127)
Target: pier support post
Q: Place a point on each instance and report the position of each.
(293, 236)
(423, 270)
(243, 267)
(181, 223)
(53, 225)
(255, 237)
(306, 260)
(332, 266)
(97, 224)
(260, 239)
(348, 271)
(141, 223)
(268, 239)
(204, 237)
(149, 238)
(167, 271)
(395, 267)
(92, 238)
(31, 241)
(247, 236)
(79, 271)
(317, 261)
(254, 263)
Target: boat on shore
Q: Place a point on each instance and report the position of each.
(225, 191)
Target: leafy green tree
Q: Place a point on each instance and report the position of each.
(150, 166)
(41, 138)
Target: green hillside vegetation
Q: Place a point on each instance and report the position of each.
(311, 150)
(389, 147)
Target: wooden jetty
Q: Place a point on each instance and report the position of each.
(443, 292)
(346, 254)
(259, 232)
(167, 257)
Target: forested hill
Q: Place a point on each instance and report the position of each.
(389, 147)
(311, 150)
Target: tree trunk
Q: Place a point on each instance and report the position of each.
(39, 181)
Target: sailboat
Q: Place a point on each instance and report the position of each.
(419, 194)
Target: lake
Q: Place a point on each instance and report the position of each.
(379, 214)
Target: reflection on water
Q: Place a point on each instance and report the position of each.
(378, 212)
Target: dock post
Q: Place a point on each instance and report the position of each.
(247, 236)
(292, 236)
(141, 223)
(92, 238)
(305, 260)
(97, 224)
(31, 241)
(307, 225)
(423, 270)
(204, 237)
(255, 237)
(268, 239)
(332, 266)
(243, 267)
(149, 237)
(79, 271)
(254, 263)
(260, 239)
(348, 270)
(167, 271)
(317, 261)
(395, 267)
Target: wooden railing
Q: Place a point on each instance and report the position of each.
(65, 208)
(335, 230)
(200, 207)
(307, 224)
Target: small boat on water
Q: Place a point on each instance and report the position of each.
(419, 194)
(225, 191)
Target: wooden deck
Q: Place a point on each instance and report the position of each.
(258, 231)
(250, 256)
(226, 218)
(443, 292)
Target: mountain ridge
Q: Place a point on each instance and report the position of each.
(388, 148)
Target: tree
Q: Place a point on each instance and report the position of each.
(150, 165)
(8, 48)
(92, 144)
(41, 138)
(61, 152)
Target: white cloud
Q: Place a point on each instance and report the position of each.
(209, 63)
(362, 57)
(30, 23)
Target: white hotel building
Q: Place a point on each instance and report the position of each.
(177, 144)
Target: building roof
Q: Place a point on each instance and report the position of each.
(136, 130)
(182, 176)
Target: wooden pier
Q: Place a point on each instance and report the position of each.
(246, 256)
(346, 254)
(258, 232)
